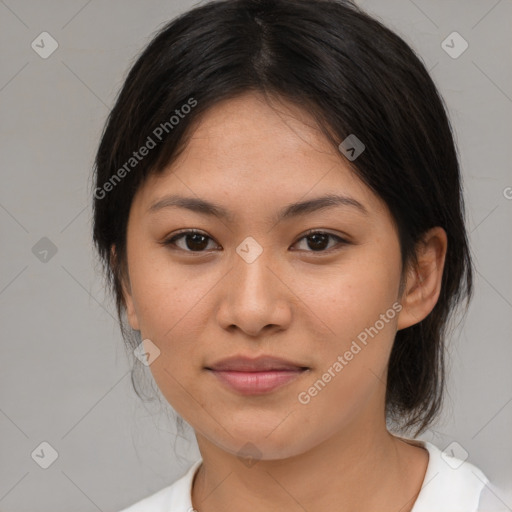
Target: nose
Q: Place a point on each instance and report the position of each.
(254, 297)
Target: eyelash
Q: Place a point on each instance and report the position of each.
(171, 241)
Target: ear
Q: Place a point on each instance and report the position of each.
(126, 290)
(423, 282)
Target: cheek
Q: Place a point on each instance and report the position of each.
(355, 307)
(165, 295)
(353, 295)
(173, 311)
(173, 314)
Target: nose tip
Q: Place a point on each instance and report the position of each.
(252, 297)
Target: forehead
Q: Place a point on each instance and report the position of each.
(252, 128)
(253, 155)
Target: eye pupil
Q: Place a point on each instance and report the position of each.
(318, 245)
(196, 236)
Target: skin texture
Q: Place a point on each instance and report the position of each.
(292, 302)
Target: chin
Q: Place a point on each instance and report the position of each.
(257, 440)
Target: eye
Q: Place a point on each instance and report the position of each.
(196, 241)
(319, 240)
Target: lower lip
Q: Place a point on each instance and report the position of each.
(256, 383)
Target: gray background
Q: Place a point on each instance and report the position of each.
(65, 377)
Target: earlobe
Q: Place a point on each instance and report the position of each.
(126, 290)
(423, 283)
(130, 310)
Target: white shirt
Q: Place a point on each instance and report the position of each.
(450, 485)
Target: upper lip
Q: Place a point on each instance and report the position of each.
(258, 364)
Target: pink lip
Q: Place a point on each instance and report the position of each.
(255, 383)
(255, 376)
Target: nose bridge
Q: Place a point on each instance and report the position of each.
(251, 274)
(252, 297)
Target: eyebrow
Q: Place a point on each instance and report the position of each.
(292, 210)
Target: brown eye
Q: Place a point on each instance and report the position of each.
(318, 241)
(194, 241)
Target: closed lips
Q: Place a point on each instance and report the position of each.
(261, 364)
(256, 376)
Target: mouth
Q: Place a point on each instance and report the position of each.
(248, 376)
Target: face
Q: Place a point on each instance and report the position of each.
(257, 283)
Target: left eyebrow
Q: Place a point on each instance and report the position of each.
(292, 210)
(319, 203)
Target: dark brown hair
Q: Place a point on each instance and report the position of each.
(355, 76)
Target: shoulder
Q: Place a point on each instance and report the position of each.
(451, 484)
(175, 497)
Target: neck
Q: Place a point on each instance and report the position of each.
(359, 469)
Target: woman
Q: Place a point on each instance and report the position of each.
(278, 208)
